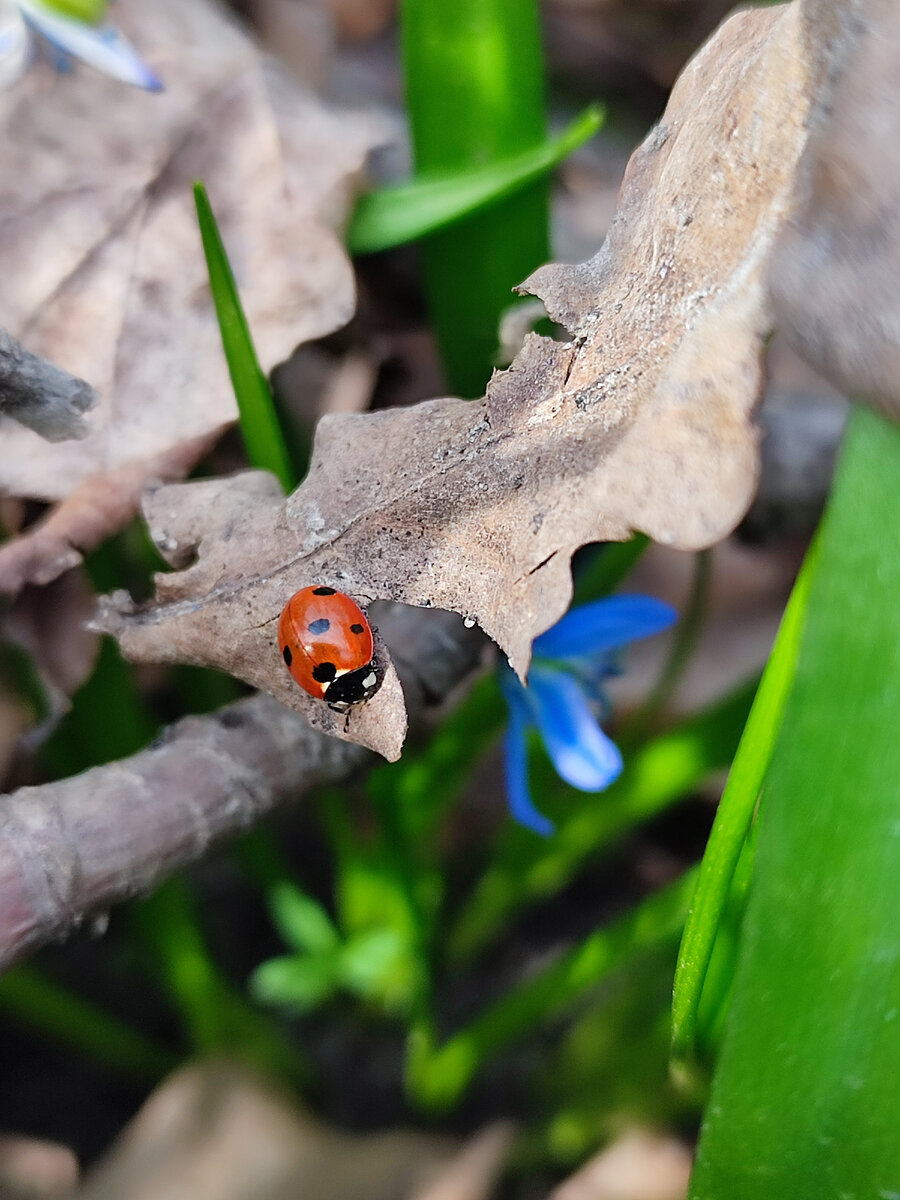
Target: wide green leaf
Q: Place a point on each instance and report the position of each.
(474, 80)
(805, 1102)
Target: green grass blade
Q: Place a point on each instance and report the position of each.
(215, 1016)
(32, 998)
(259, 422)
(437, 1077)
(395, 215)
(805, 1102)
(733, 821)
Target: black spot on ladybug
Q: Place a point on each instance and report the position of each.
(288, 657)
(356, 628)
(323, 591)
(324, 672)
(320, 626)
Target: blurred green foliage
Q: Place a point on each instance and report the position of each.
(90, 11)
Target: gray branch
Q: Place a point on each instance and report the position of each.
(75, 846)
(36, 393)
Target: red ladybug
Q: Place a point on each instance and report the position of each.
(327, 645)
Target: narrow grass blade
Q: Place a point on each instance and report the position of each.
(437, 1077)
(32, 998)
(733, 820)
(259, 421)
(215, 1015)
(805, 1101)
(394, 215)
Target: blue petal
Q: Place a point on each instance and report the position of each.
(520, 803)
(101, 47)
(603, 625)
(516, 695)
(581, 752)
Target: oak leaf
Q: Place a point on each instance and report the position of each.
(644, 420)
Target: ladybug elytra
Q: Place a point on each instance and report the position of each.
(326, 642)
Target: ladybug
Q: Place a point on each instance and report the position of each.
(327, 645)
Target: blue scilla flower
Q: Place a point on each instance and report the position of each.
(565, 699)
(100, 45)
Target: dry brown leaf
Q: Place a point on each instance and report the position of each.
(642, 422)
(473, 1172)
(31, 1169)
(50, 624)
(101, 258)
(96, 509)
(836, 273)
(215, 1131)
(640, 1165)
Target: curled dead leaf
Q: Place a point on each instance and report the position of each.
(95, 510)
(642, 421)
(835, 278)
(215, 1131)
(50, 625)
(102, 259)
(639, 1165)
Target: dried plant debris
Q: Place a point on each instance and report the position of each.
(835, 276)
(101, 255)
(39, 395)
(215, 1131)
(32, 1169)
(642, 421)
(98, 508)
(50, 625)
(638, 1165)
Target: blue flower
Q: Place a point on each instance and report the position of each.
(565, 699)
(100, 46)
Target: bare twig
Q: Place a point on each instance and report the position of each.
(75, 846)
(45, 398)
